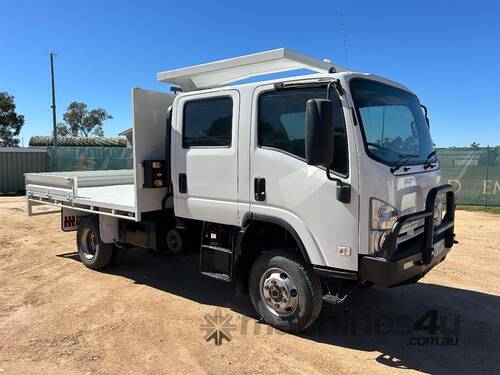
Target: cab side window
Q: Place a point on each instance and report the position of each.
(281, 124)
(208, 122)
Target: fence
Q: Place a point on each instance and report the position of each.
(474, 172)
(15, 162)
(89, 158)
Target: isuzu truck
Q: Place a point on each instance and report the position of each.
(298, 190)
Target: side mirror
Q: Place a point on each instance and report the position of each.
(319, 132)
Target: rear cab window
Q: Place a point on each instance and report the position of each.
(207, 122)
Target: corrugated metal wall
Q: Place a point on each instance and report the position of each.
(15, 162)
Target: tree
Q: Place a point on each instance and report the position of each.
(79, 121)
(10, 122)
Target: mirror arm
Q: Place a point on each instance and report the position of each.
(335, 83)
(425, 114)
(343, 188)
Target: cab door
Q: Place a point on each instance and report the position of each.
(205, 156)
(284, 187)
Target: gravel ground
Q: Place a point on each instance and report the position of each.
(151, 313)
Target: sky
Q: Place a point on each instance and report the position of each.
(447, 52)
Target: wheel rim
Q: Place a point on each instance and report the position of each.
(174, 241)
(279, 292)
(88, 243)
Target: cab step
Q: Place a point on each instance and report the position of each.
(217, 276)
(216, 252)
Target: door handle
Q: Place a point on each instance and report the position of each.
(260, 189)
(182, 183)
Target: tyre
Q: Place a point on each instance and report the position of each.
(175, 241)
(285, 291)
(94, 253)
(119, 255)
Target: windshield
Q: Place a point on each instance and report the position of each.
(392, 121)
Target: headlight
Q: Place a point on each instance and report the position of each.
(383, 215)
(382, 218)
(377, 238)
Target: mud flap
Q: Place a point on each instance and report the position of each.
(70, 219)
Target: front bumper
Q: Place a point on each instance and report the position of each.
(407, 262)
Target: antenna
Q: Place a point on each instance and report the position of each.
(344, 39)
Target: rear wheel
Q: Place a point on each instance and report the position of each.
(94, 253)
(285, 291)
(176, 241)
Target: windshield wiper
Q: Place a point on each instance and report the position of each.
(403, 159)
(428, 163)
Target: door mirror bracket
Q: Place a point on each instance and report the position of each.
(343, 192)
(424, 108)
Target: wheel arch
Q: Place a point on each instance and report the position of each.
(253, 218)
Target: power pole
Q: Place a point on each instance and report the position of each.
(54, 121)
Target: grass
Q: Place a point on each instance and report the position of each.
(490, 209)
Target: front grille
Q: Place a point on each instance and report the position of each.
(413, 229)
(408, 235)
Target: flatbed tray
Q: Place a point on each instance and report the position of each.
(102, 192)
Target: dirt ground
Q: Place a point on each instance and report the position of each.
(149, 314)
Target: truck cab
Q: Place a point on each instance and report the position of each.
(299, 190)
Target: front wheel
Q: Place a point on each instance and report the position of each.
(285, 291)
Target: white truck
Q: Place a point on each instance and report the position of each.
(298, 190)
